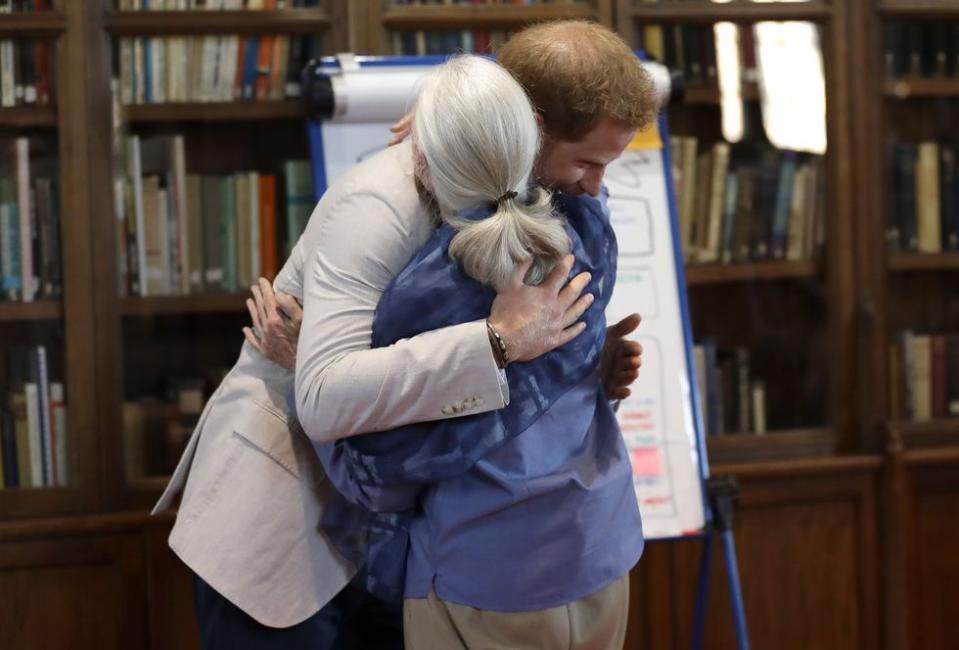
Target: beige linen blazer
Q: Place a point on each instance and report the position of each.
(253, 490)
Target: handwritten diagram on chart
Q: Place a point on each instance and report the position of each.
(657, 420)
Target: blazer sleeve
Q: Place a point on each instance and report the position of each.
(343, 387)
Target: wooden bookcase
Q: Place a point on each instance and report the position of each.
(65, 323)
(792, 316)
(904, 290)
(147, 340)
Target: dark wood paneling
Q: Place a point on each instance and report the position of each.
(72, 593)
(807, 552)
(937, 566)
(146, 23)
(172, 621)
(928, 550)
(739, 11)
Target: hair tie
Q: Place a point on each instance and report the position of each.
(509, 196)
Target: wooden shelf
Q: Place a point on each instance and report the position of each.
(701, 274)
(795, 468)
(29, 25)
(709, 12)
(907, 87)
(462, 16)
(215, 112)
(207, 303)
(899, 262)
(26, 116)
(283, 21)
(924, 9)
(27, 311)
(709, 93)
(930, 433)
(792, 443)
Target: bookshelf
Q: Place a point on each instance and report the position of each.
(32, 25)
(381, 21)
(268, 110)
(30, 311)
(907, 295)
(772, 319)
(44, 153)
(172, 343)
(702, 274)
(176, 23)
(913, 102)
(697, 11)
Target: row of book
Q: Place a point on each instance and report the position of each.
(921, 49)
(22, 6)
(922, 198)
(692, 50)
(27, 73)
(156, 70)
(470, 41)
(731, 399)
(739, 207)
(689, 48)
(925, 373)
(33, 422)
(180, 233)
(207, 5)
(486, 2)
(30, 238)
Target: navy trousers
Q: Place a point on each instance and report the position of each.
(353, 619)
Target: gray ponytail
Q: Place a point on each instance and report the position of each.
(475, 128)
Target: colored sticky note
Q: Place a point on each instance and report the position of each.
(646, 461)
(648, 138)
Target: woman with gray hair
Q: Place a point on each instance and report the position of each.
(517, 527)
(472, 152)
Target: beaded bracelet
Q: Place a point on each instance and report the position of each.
(500, 351)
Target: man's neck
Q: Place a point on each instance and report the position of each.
(429, 201)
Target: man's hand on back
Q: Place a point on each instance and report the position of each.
(401, 130)
(621, 358)
(536, 320)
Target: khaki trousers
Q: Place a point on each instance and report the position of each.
(596, 622)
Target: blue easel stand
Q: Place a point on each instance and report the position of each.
(722, 493)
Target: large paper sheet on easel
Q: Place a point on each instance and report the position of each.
(658, 419)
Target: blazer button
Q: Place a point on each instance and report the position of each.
(448, 410)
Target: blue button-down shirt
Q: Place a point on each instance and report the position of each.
(547, 518)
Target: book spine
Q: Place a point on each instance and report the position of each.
(256, 269)
(28, 280)
(8, 440)
(18, 406)
(43, 413)
(32, 397)
(58, 416)
(938, 386)
(952, 375)
(758, 391)
(182, 212)
(927, 198)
